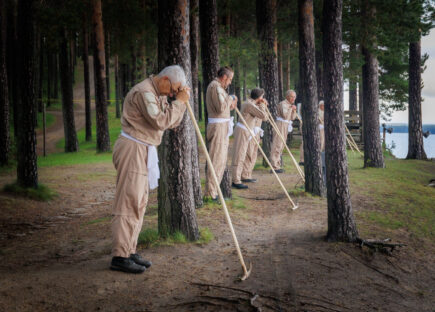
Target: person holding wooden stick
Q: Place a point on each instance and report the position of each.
(286, 113)
(220, 126)
(251, 154)
(146, 114)
(253, 108)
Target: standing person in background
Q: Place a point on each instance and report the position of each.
(220, 126)
(253, 108)
(286, 113)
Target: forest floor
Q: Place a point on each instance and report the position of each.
(55, 255)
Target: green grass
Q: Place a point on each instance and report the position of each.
(151, 238)
(99, 220)
(397, 196)
(87, 153)
(41, 193)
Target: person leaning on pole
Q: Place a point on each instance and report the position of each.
(220, 126)
(286, 113)
(252, 109)
(146, 114)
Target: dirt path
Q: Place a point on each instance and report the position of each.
(55, 256)
(56, 131)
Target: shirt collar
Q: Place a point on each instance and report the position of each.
(154, 85)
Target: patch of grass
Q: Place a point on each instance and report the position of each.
(87, 153)
(41, 193)
(237, 202)
(90, 176)
(99, 220)
(397, 195)
(49, 120)
(151, 238)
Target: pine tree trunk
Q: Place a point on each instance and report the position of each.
(107, 59)
(287, 70)
(71, 144)
(194, 52)
(352, 81)
(310, 106)
(103, 138)
(341, 223)
(56, 77)
(200, 100)
(117, 88)
(12, 62)
(245, 92)
(415, 127)
(27, 169)
(210, 63)
(237, 79)
(4, 94)
(88, 115)
(319, 74)
(373, 156)
(268, 67)
(280, 72)
(176, 188)
(41, 73)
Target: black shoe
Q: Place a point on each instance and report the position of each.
(139, 260)
(301, 163)
(249, 180)
(239, 186)
(216, 200)
(278, 171)
(126, 265)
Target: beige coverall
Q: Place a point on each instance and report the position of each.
(218, 106)
(251, 154)
(145, 116)
(250, 111)
(284, 110)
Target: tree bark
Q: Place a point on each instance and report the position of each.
(71, 143)
(341, 223)
(319, 74)
(373, 156)
(88, 116)
(415, 127)
(107, 60)
(310, 106)
(4, 92)
(178, 162)
(103, 138)
(287, 70)
(41, 52)
(27, 169)
(210, 62)
(245, 92)
(199, 100)
(117, 88)
(353, 105)
(268, 67)
(280, 72)
(194, 52)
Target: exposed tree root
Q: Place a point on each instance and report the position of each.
(377, 245)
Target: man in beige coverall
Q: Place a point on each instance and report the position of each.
(252, 109)
(251, 154)
(146, 114)
(286, 113)
(219, 128)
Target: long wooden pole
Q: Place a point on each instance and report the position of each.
(352, 140)
(246, 272)
(275, 127)
(265, 157)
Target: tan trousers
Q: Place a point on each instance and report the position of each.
(131, 197)
(217, 136)
(322, 140)
(278, 145)
(240, 147)
(250, 159)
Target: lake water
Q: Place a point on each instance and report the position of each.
(400, 144)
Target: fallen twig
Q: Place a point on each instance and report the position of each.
(323, 300)
(379, 245)
(318, 305)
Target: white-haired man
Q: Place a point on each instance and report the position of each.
(146, 114)
(286, 113)
(220, 126)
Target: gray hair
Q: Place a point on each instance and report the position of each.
(321, 103)
(175, 74)
(287, 94)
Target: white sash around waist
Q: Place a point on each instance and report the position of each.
(152, 163)
(221, 120)
(256, 130)
(289, 122)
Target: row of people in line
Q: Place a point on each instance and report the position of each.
(146, 114)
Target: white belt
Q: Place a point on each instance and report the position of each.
(152, 163)
(289, 122)
(222, 120)
(256, 130)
